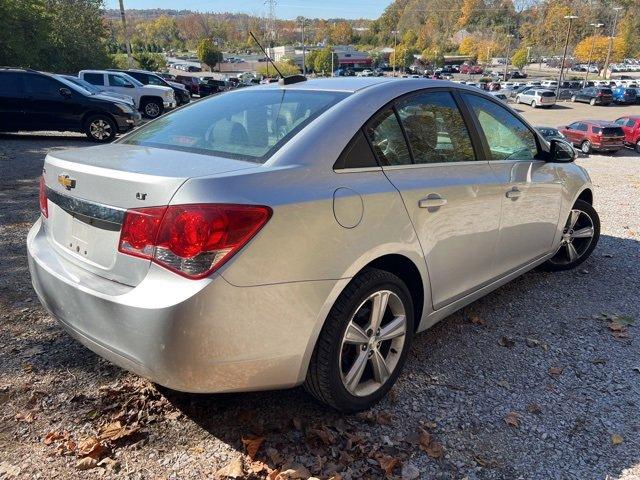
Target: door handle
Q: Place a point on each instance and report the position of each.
(514, 193)
(433, 200)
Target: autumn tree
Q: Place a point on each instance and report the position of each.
(322, 62)
(519, 58)
(341, 33)
(595, 48)
(208, 53)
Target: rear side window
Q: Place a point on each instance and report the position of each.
(582, 127)
(94, 78)
(507, 137)
(357, 154)
(435, 128)
(248, 125)
(596, 130)
(631, 123)
(387, 139)
(10, 84)
(41, 85)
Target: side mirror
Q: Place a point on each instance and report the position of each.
(65, 92)
(561, 151)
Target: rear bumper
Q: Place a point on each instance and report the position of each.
(194, 336)
(608, 147)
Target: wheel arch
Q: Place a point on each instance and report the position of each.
(146, 98)
(87, 115)
(585, 195)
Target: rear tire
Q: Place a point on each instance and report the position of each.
(152, 108)
(637, 147)
(585, 147)
(100, 128)
(584, 223)
(573, 99)
(533, 104)
(332, 376)
(592, 102)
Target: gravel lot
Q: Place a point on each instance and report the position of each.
(528, 382)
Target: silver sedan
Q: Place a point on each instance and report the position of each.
(301, 233)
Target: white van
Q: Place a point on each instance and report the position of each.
(151, 100)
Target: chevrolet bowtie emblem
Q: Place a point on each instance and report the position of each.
(66, 181)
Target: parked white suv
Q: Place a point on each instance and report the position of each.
(151, 100)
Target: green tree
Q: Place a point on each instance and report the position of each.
(285, 68)
(153, 62)
(322, 63)
(519, 58)
(208, 53)
(310, 60)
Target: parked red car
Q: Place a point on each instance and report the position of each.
(590, 135)
(194, 85)
(471, 69)
(631, 128)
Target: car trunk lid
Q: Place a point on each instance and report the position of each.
(90, 189)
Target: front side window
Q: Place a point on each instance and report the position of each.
(435, 128)
(387, 139)
(118, 81)
(247, 125)
(507, 137)
(631, 123)
(153, 80)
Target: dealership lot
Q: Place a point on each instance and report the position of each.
(534, 377)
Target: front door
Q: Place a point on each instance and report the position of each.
(452, 199)
(531, 188)
(46, 107)
(119, 84)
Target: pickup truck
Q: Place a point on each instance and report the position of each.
(150, 100)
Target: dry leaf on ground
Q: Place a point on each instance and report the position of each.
(252, 445)
(506, 342)
(297, 472)
(555, 371)
(90, 447)
(86, 463)
(476, 320)
(512, 419)
(388, 463)
(534, 408)
(115, 431)
(616, 439)
(233, 469)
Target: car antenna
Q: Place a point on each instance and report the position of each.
(283, 80)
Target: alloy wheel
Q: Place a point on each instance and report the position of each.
(152, 109)
(577, 236)
(373, 343)
(100, 129)
(585, 147)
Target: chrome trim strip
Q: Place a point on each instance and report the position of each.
(412, 166)
(85, 207)
(357, 169)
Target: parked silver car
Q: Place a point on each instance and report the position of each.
(537, 97)
(301, 234)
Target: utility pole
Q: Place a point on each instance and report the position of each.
(564, 55)
(506, 62)
(304, 64)
(613, 34)
(595, 26)
(126, 34)
(395, 53)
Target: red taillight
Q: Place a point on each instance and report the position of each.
(192, 240)
(42, 196)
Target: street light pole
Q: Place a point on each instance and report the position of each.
(613, 34)
(595, 26)
(506, 63)
(395, 53)
(304, 64)
(126, 34)
(564, 55)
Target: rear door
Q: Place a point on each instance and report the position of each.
(531, 189)
(453, 200)
(12, 99)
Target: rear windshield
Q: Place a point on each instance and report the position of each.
(547, 94)
(613, 131)
(606, 91)
(246, 125)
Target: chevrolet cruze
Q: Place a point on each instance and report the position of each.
(301, 232)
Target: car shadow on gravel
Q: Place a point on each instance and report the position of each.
(487, 360)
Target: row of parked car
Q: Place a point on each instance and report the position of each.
(598, 135)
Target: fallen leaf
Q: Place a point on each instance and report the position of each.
(625, 320)
(173, 415)
(384, 418)
(90, 447)
(555, 371)
(115, 431)
(506, 342)
(257, 466)
(512, 419)
(387, 464)
(233, 469)
(51, 437)
(252, 445)
(297, 472)
(534, 408)
(324, 434)
(616, 439)
(27, 417)
(435, 450)
(86, 463)
(476, 320)
(109, 463)
(424, 438)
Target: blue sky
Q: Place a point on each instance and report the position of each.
(285, 8)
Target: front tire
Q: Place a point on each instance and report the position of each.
(152, 108)
(100, 128)
(580, 236)
(363, 344)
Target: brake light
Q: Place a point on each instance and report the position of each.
(42, 197)
(191, 240)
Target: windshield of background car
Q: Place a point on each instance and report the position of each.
(248, 125)
(72, 85)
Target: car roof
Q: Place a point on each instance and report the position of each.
(601, 123)
(343, 84)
